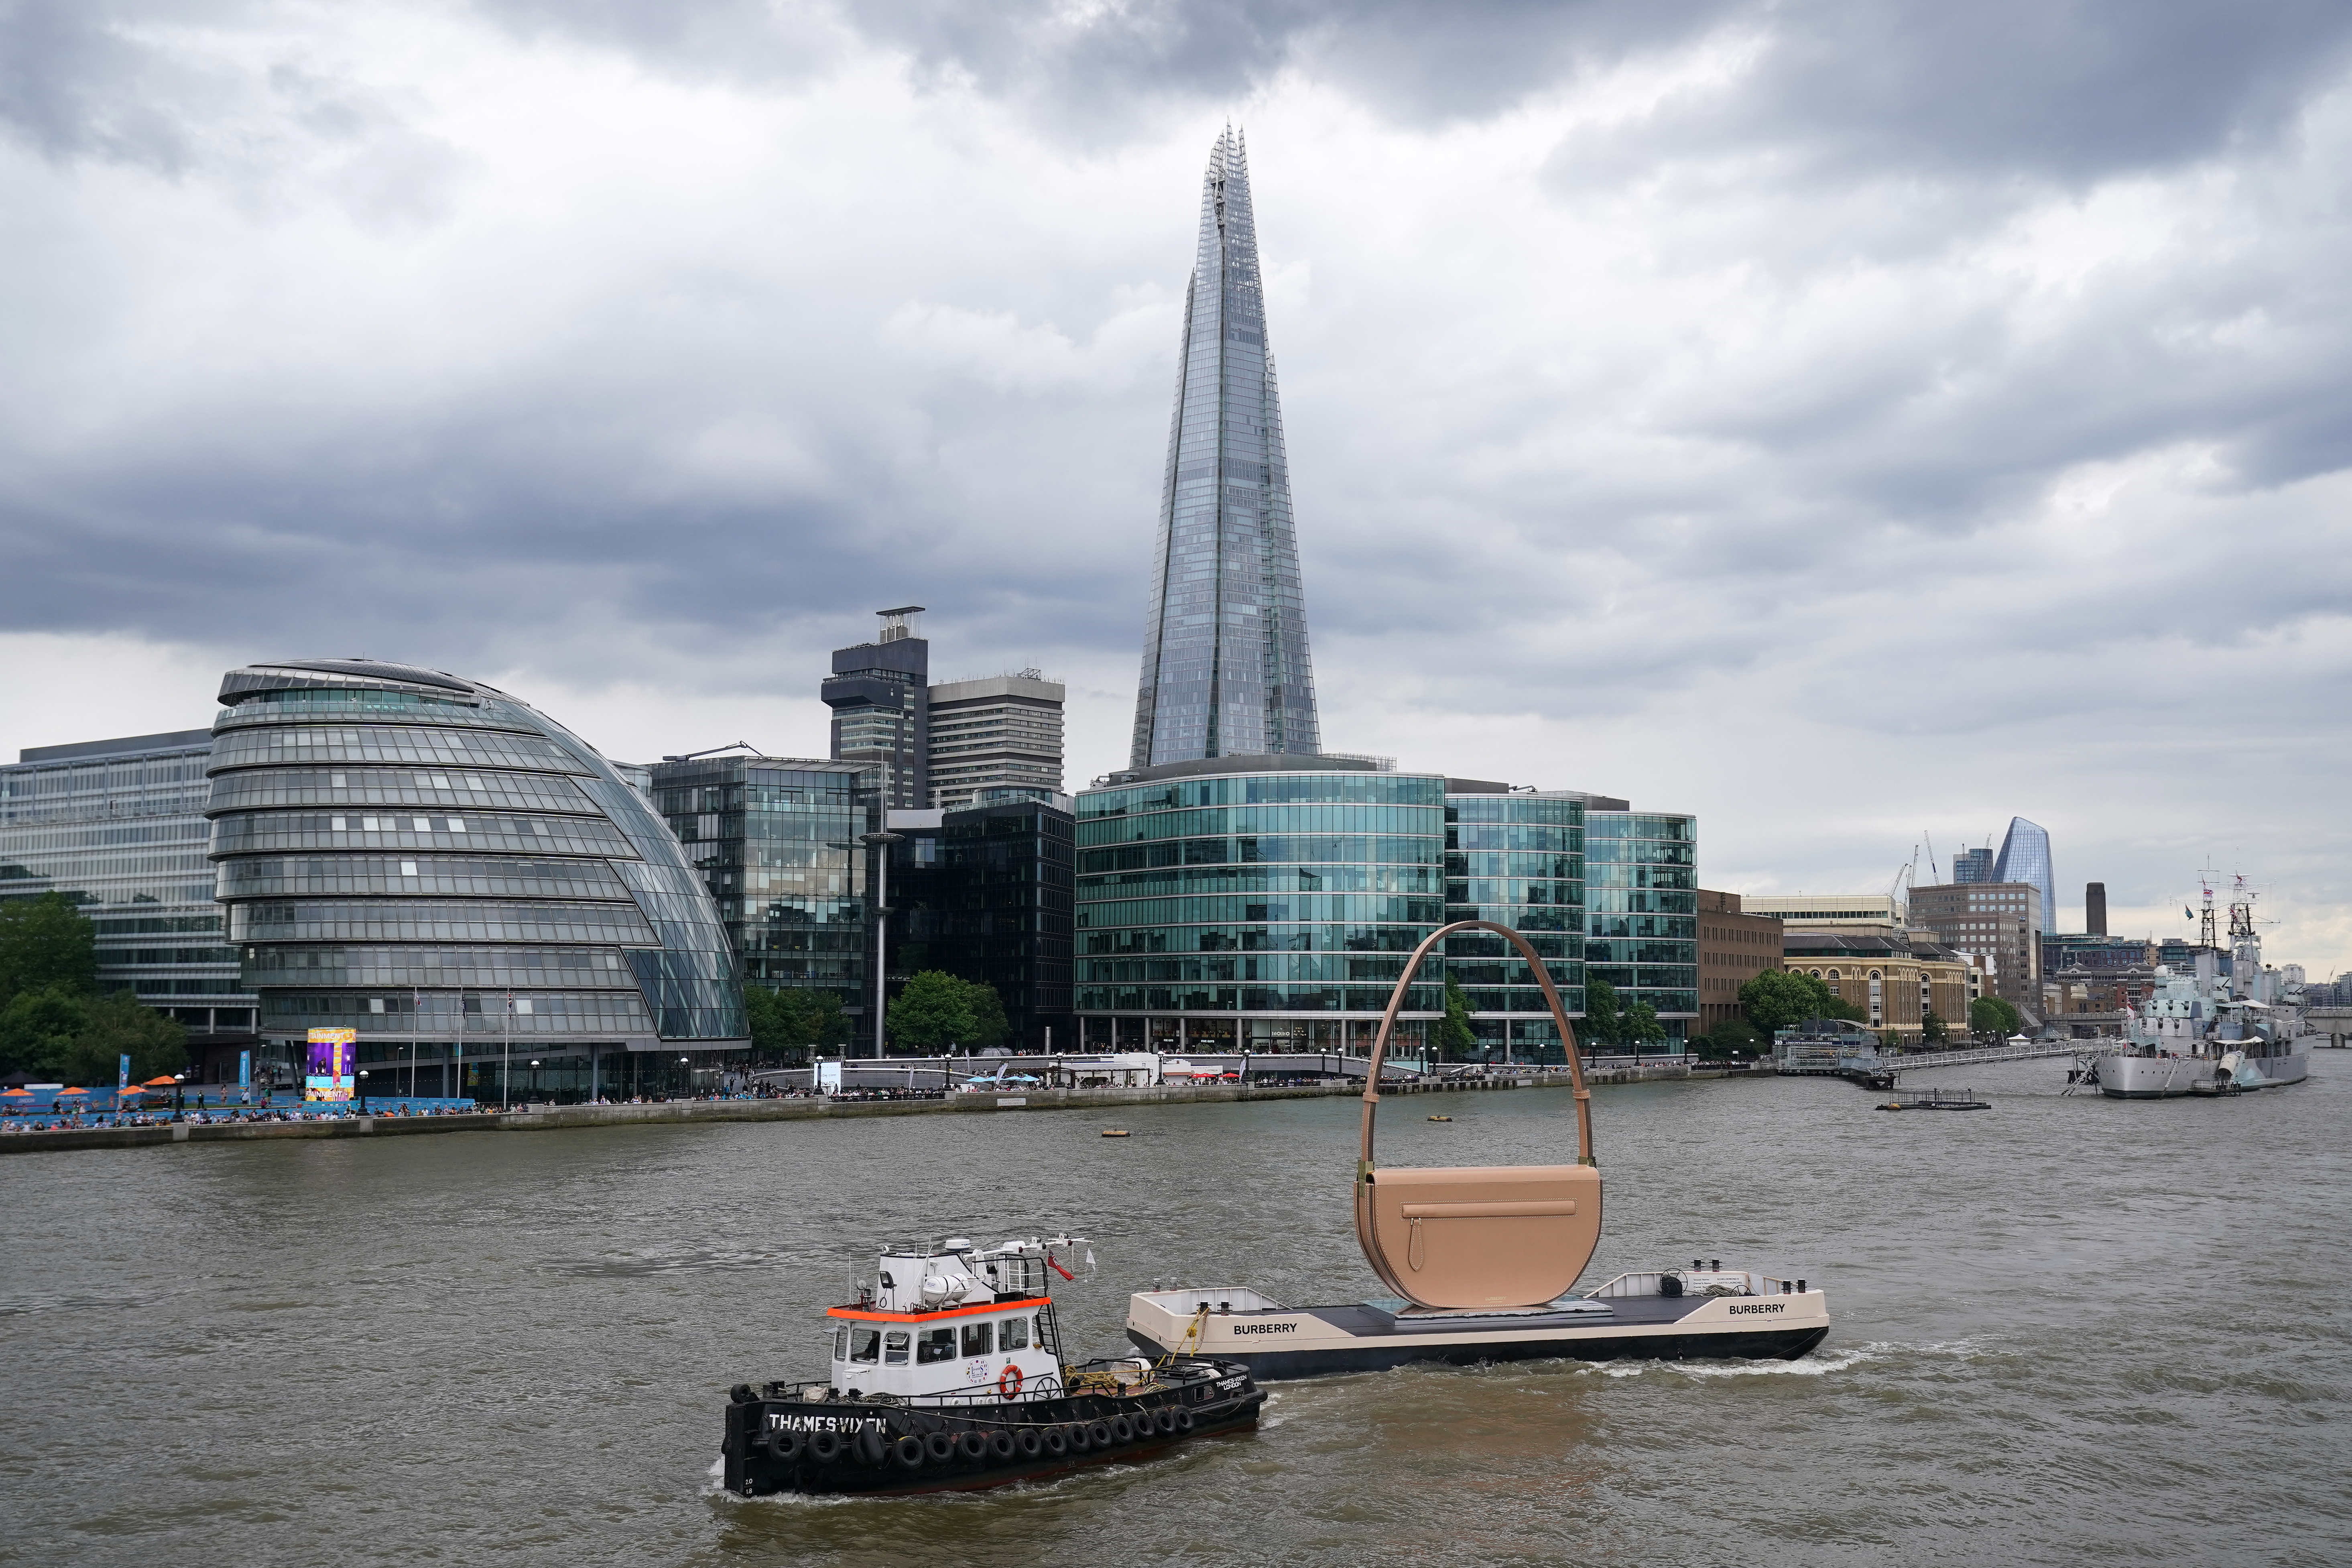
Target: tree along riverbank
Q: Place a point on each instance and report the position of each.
(561, 1118)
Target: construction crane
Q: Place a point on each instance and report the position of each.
(1932, 869)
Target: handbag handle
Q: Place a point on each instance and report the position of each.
(1551, 997)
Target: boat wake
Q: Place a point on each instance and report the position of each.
(1813, 1364)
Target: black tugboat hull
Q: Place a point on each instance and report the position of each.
(759, 1462)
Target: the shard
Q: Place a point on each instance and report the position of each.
(1226, 668)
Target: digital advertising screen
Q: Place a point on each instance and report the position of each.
(334, 1061)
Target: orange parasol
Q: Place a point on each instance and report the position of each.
(63, 1092)
(165, 1081)
(15, 1094)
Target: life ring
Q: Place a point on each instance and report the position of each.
(783, 1447)
(1028, 1442)
(1164, 1421)
(972, 1446)
(908, 1451)
(1008, 1382)
(939, 1447)
(825, 1448)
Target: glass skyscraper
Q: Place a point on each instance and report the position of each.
(1640, 901)
(776, 843)
(1515, 858)
(444, 869)
(2025, 857)
(1226, 666)
(1261, 907)
(118, 828)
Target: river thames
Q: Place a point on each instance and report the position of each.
(2065, 1331)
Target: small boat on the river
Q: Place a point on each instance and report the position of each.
(948, 1375)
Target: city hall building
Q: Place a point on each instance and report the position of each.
(463, 882)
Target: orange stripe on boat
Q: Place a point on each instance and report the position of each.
(864, 1315)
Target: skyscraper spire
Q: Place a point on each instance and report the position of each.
(1225, 668)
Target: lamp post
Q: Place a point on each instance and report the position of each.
(180, 1093)
(534, 1078)
(686, 1066)
(363, 1092)
(881, 843)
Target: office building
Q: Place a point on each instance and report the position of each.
(118, 828)
(1828, 911)
(2000, 921)
(1734, 947)
(775, 841)
(1897, 978)
(2095, 908)
(1973, 866)
(1264, 902)
(879, 692)
(1226, 666)
(1641, 901)
(986, 894)
(997, 733)
(1515, 858)
(463, 882)
(2025, 857)
(2062, 951)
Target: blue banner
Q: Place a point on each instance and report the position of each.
(122, 1073)
(245, 1070)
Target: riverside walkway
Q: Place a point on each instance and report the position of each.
(798, 1108)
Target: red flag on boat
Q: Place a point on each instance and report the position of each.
(1058, 1267)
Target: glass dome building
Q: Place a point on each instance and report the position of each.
(463, 882)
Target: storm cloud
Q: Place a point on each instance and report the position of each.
(1848, 421)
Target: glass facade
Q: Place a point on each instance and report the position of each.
(879, 692)
(2025, 857)
(118, 828)
(988, 896)
(1272, 911)
(448, 871)
(1226, 666)
(1517, 859)
(775, 842)
(1640, 904)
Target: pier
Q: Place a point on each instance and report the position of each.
(1873, 1071)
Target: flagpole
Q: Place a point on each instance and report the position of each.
(506, 1053)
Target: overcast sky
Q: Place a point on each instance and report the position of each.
(1849, 422)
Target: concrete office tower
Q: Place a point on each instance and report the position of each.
(1972, 866)
(879, 692)
(117, 826)
(2095, 908)
(1003, 732)
(2025, 857)
(1226, 666)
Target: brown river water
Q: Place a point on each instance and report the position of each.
(2067, 1331)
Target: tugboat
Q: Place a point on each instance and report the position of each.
(947, 1376)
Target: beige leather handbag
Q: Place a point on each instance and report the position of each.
(1480, 1235)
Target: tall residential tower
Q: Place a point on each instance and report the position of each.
(1225, 668)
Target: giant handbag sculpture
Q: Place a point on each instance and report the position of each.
(1480, 1235)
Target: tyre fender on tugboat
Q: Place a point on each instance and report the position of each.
(1056, 1440)
(939, 1447)
(869, 1446)
(825, 1448)
(1027, 1440)
(908, 1451)
(1122, 1430)
(783, 1447)
(1099, 1434)
(972, 1446)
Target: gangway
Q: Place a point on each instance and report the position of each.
(2008, 1053)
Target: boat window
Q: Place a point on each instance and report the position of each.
(865, 1344)
(841, 1342)
(975, 1338)
(1014, 1335)
(894, 1348)
(937, 1344)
